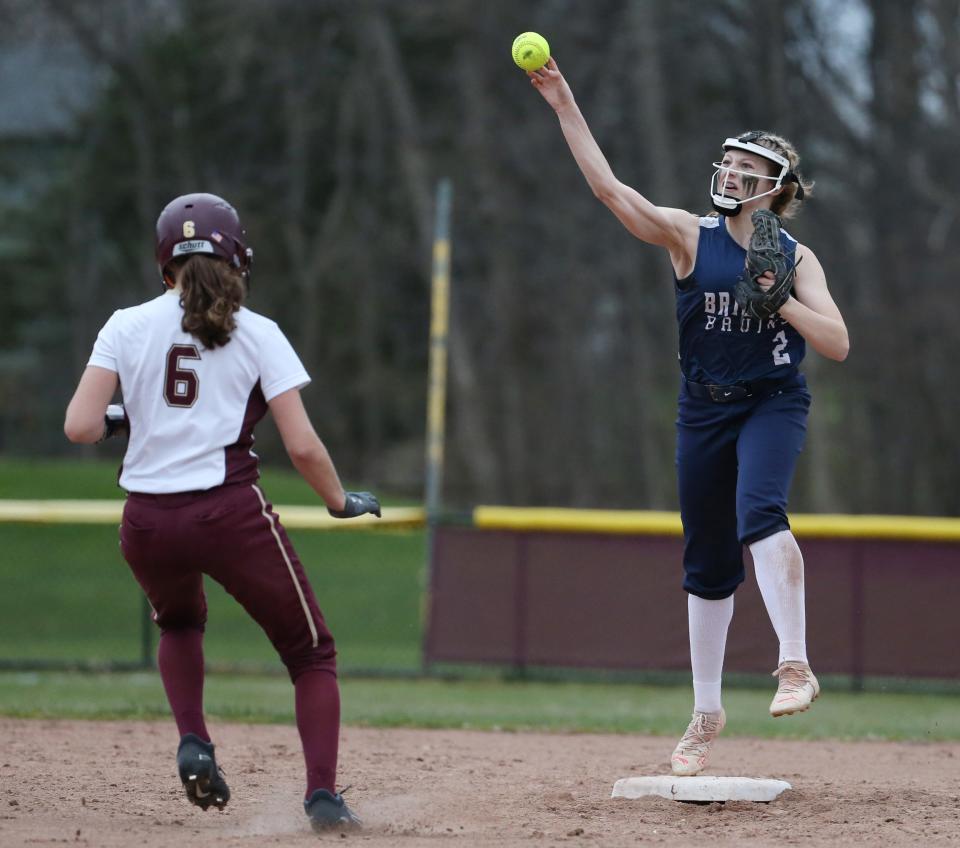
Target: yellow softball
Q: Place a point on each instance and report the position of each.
(530, 51)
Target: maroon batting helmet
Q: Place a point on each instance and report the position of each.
(201, 223)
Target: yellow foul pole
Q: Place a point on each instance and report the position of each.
(439, 327)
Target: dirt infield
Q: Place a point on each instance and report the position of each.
(114, 784)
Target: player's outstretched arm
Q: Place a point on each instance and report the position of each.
(653, 224)
(84, 422)
(310, 457)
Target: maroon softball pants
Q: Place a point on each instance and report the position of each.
(232, 534)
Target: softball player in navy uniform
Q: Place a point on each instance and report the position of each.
(198, 371)
(742, 404)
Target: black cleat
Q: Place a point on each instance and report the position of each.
(202, 779)
(327, 811)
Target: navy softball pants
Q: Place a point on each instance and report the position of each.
(735, 463)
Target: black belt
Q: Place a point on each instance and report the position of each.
(740, 390)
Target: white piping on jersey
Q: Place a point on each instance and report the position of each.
(711, 222)
(286, 559)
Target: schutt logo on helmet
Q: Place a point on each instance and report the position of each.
(202, 223)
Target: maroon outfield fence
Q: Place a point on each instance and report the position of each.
(588, 589)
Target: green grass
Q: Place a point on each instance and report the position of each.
(45, 479)
(68, 587)
(487, 704)
(29, 479)
(68, 595)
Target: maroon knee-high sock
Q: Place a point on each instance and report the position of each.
(180, 660)
(318, 720)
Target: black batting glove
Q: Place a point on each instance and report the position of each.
(357, 503)
(115, 422)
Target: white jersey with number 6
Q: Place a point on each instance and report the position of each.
(192, 410)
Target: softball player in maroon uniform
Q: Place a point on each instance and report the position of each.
(198, 371)
(742, 405)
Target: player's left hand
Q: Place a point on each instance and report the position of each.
(769, 273)
(766, 280)
(357, 503)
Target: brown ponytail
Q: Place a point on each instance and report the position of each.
(785, 204)
(211, 293)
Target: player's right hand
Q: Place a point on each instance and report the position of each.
(115, 422)
(357, 503)
(551, 84)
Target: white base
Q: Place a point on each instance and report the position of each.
(703, 789)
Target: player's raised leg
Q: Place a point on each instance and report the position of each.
(769, 445)
(779, 568)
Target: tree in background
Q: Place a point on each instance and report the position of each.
(327, 125)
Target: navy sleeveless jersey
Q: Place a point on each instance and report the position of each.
(717, 343)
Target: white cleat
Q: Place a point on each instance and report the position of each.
(693, 750)
(796, 690)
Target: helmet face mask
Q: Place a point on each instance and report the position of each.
(730, 206)
(201, 223)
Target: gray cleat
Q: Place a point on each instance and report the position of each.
(327, 811)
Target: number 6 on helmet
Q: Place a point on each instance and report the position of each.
(201, 223)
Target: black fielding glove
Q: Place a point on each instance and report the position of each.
(765, 254)
(358, 503)
(115, 422)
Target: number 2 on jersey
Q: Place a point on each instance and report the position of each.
(181, 385)
(779, 357)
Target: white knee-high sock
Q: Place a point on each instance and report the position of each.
(779, 568)
(709, 622)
